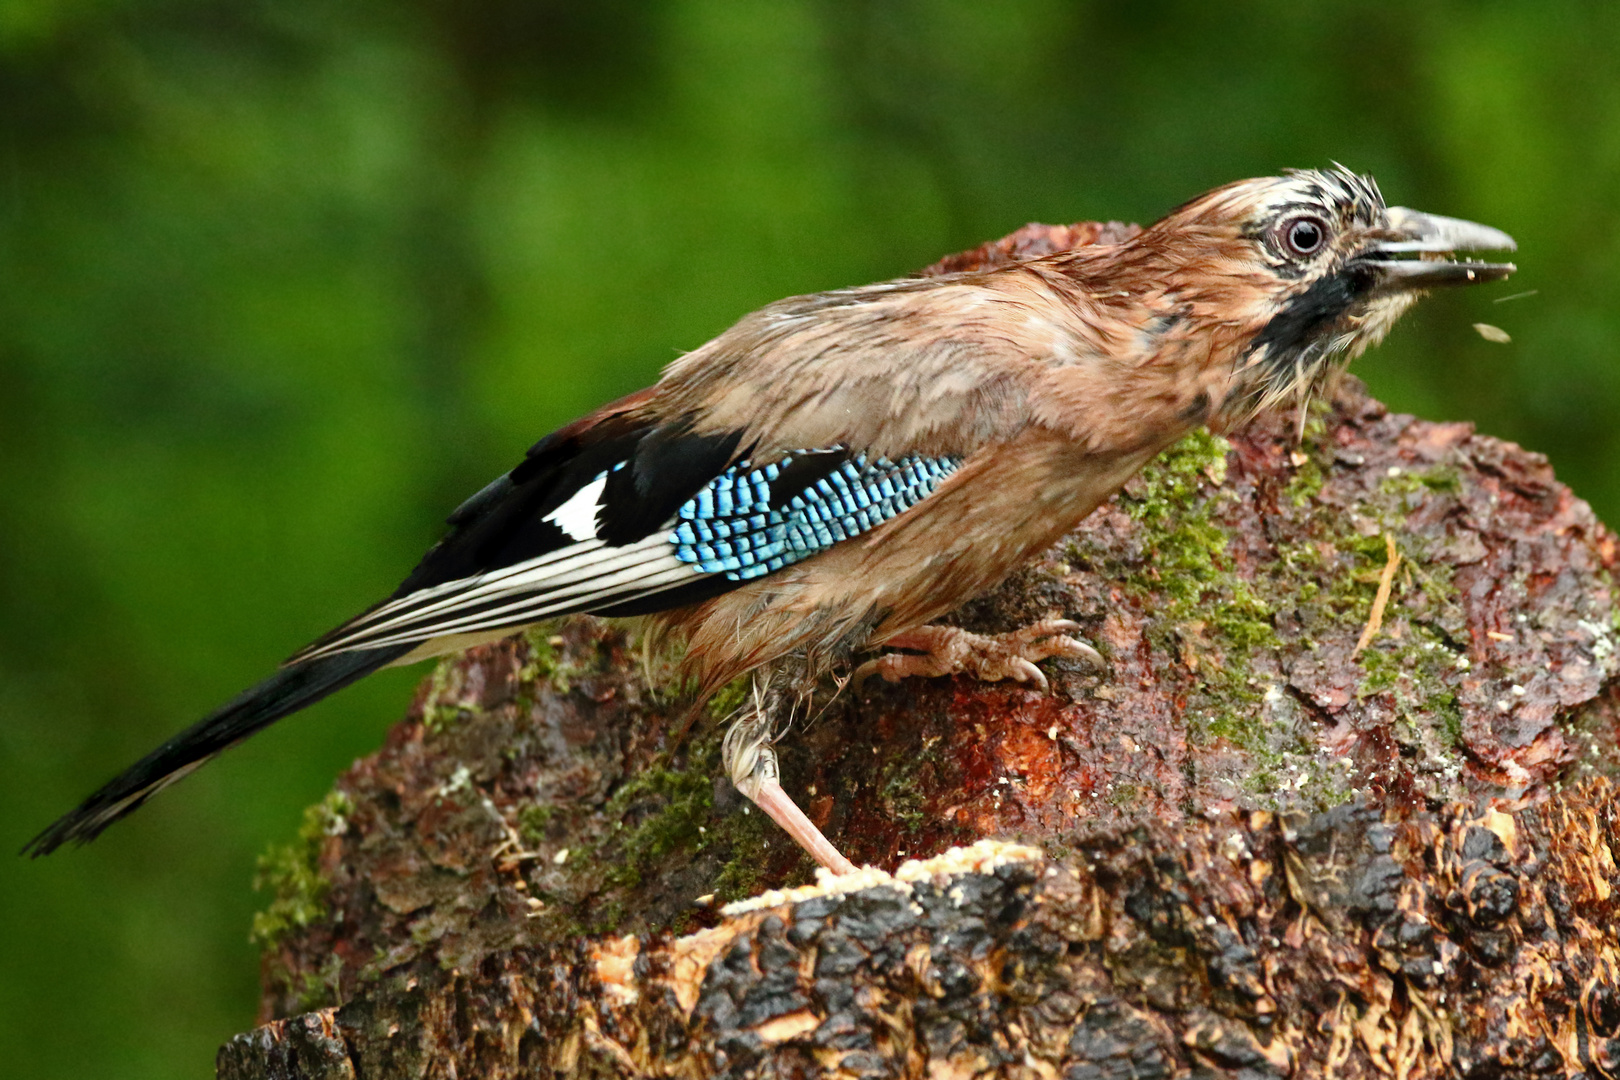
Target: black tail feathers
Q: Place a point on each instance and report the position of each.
(283, 693)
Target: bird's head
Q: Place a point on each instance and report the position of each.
(1308, 270)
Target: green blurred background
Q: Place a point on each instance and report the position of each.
(282, 280)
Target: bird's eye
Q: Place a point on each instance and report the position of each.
(1304, 235)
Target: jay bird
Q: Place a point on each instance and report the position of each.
(838, 469)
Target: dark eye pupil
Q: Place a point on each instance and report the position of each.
(1305, 237)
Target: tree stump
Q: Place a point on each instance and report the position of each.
(1339, 805)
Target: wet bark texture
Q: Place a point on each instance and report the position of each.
(1254, 846)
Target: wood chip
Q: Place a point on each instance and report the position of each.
(1375, 620)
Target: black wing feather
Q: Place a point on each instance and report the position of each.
(669, 465)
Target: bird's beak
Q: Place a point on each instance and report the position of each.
(1431, 238)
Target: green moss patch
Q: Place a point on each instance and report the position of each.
(292, 874)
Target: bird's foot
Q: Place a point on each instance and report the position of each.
(949, 650)
(751, 763)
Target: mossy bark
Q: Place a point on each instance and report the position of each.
(1258, 849)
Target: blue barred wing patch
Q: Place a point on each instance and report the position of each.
(741, 527)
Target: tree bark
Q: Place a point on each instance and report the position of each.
(1340, 804)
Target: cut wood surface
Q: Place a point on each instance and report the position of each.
(1338, 805)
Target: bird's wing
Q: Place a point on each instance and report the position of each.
(812, 425)
(625, 518)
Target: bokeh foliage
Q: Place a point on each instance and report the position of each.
(281, 280)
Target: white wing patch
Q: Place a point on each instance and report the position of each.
(577, 516)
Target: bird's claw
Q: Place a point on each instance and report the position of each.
(949, 650)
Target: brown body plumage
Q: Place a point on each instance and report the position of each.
(1037, 389)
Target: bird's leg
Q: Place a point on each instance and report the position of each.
(751, 764)
(947, 650)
